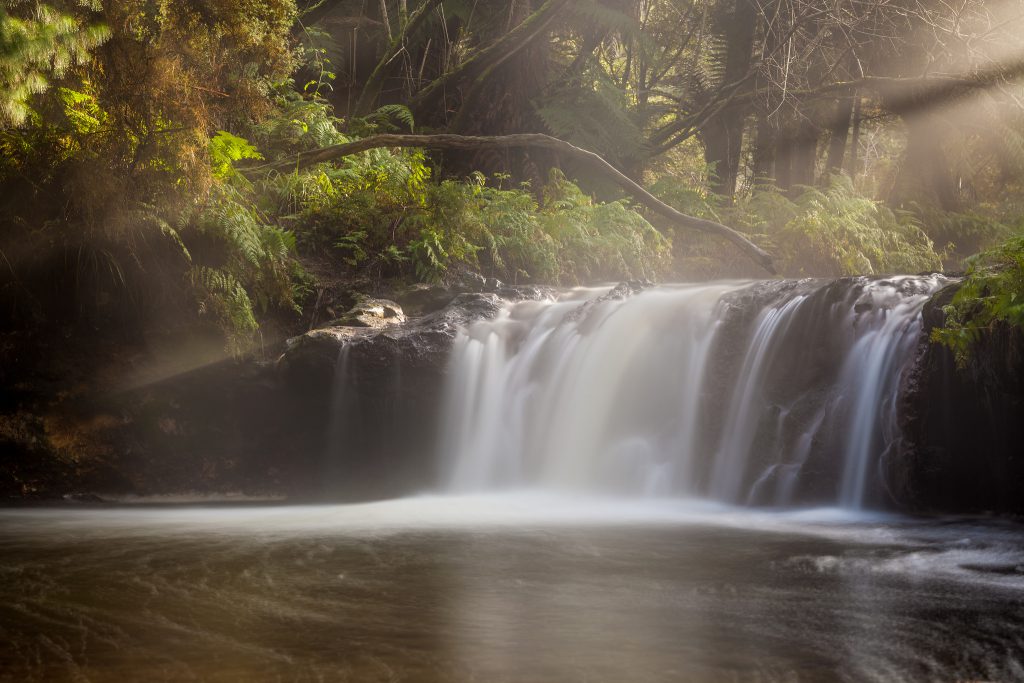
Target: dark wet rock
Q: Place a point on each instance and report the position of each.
(962, 444)
(626, 289)
(469, 281)
(371, 397)
(621, 291)
(525, 292)
(421, 298)
(220, 427)
(309, 360)
(747, 303)
(800, 376)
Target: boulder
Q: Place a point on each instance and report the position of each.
(370, 312)
(422, 298)
(372, 397)
(962, 428)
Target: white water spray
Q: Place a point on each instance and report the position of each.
(723, 390)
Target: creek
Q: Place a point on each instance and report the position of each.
(682, 483)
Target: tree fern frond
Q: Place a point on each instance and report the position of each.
(399, 112)
(596, 118)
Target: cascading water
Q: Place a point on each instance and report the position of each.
(762, 393)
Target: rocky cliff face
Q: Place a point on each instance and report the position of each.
(370, 396)
(962, 447)
(351, 410)
(292, 428)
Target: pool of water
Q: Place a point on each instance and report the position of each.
(520, 587)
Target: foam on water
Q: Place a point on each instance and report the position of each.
(956, 549)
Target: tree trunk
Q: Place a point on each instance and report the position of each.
(534, 27)
(723, 136)
(853, 166)
(764, 150)
(840, 133)
(723, 148)
(804, 157)
(389, 62)
(784, 160)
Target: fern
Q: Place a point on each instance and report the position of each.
(992, 294)
(353, 245)
(254, 259)
(383, 119)
(33, 49)
(594, 117)
(827, 232)
(222, 296)
(225, 149)
(399, 112)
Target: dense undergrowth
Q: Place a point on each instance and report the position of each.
(238, 250)
(821, 232)
(992, 294)
(129, 154)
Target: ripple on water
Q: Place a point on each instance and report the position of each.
(506, 588)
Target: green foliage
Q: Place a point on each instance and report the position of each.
(838, 232)
(352, 244)
(381, 212)
(83, 111)
(965, 233)
(315, 55)
(594, 116)
(119, 194)
(298, 124)
(122, 160)
(246, 265)
(225, 149)
(992, 293)
(37, 47)
(223, 297)
(600, 241)
(398, 112)
(827, 232)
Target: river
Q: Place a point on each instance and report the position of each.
(507, 587)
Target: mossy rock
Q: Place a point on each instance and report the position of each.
(370, 312)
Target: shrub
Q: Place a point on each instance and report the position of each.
(838, 232)
(382, 212)
(992, 293)
(827, 232)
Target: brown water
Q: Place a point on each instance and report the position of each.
(505, 589)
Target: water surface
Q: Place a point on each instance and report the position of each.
(506, 588)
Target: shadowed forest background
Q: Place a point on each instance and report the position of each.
(161, 208)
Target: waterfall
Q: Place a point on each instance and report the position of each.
(746, 392)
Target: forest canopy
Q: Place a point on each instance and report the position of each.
(148, 150)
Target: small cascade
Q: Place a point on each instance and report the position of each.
(342, 414)
(769, 393)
